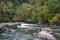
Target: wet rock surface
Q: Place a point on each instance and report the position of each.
(7, 28)
(1, 29)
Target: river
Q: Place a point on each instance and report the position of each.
(24, 34)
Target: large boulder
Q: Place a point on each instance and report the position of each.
(11, 27)
(49, 30)
(46, 35)
(7, 28)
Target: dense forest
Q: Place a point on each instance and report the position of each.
(32, 11)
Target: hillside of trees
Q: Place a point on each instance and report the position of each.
(32, 11)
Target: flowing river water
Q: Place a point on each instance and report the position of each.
(24, 34)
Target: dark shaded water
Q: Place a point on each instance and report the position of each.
(24, 34)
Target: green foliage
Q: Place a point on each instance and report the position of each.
(5, 17)
(39, 11)
(10, 4)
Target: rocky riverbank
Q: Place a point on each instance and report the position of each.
(10, 24)
(7, 28)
